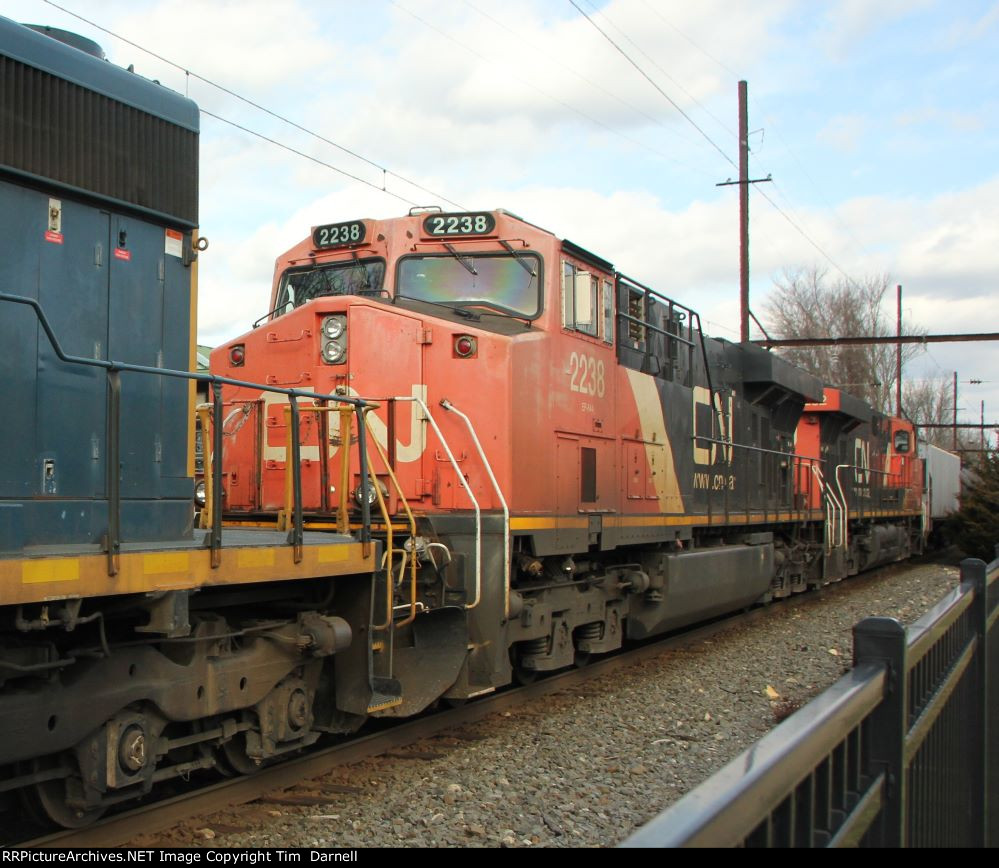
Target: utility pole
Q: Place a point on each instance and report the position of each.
(898, 356)
(743, 214)
(955, 413)
(743, 182)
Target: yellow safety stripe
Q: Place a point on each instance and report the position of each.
(538, 523)
(29, 580)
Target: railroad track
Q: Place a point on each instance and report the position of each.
(168, 812)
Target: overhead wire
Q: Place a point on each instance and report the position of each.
(650, 80)
(771, 124)
(389, 173)
(603, 14)
(543, 53)
(711, 141)
(306, 156)
(261, 108)
(533, 86)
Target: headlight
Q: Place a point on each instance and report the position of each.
(372, 497)
(333, 327)
(199, 493)
(333, 352)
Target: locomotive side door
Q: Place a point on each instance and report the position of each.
(72, 460)
(385, 360)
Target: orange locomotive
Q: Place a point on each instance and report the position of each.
(560, 457)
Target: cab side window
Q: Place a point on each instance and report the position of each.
(587, 302)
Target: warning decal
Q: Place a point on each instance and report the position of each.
(174, 243)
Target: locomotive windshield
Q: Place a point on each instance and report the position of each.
(504, 282)
(356, 277)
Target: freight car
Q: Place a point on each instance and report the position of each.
(565, 456)
(133, 649)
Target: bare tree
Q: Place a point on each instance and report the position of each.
(931, 401)
(806, 303)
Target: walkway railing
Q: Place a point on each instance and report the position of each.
(898, 753)
(213, 467)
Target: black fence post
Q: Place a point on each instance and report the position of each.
(883, 640)
(992, 705)
(973, 575)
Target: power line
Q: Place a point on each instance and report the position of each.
(544, 52)
(267, 111)
(649, 79)
(711, 141)
(651, 60)
(307, 156)
(534, 87)
(776, 128)
(703, 51)
(805, 235)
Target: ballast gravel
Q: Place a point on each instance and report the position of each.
(590, 764)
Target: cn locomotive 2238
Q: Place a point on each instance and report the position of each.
(457, 452)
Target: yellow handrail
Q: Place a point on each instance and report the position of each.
(346, 423)
(346, 419)
(204, 413)
(343, 518)
(388, 542)
(412, 532)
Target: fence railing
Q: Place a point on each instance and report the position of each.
(897, 753)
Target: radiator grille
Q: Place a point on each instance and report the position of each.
(53, 128)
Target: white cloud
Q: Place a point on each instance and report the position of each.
(256, 46)
(959, 121)
(849, 22)
(843, 132)
(964, 30)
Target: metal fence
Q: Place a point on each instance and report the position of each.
(897, 753)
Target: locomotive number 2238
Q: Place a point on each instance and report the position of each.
(586, 375)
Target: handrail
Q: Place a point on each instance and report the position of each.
(389, 590)
(896, 753)
(829, 511)
(412, 532)
(289, 486)
(447, 405)
(627, 317)
(290, 497)
(464, 484)
(714, 814)
(216, 382)
(735, 445)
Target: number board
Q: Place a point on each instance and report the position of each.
(459, 224)
(338, 234)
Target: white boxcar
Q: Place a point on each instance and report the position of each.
(943, 480)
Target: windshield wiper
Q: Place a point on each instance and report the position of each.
(468, 265)
(517, 256)
(460, 311)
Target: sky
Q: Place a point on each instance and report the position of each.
(878, 121)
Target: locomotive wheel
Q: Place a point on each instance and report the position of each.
(233, 759)
(581, 659)
(523, 676)
(45, 802)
